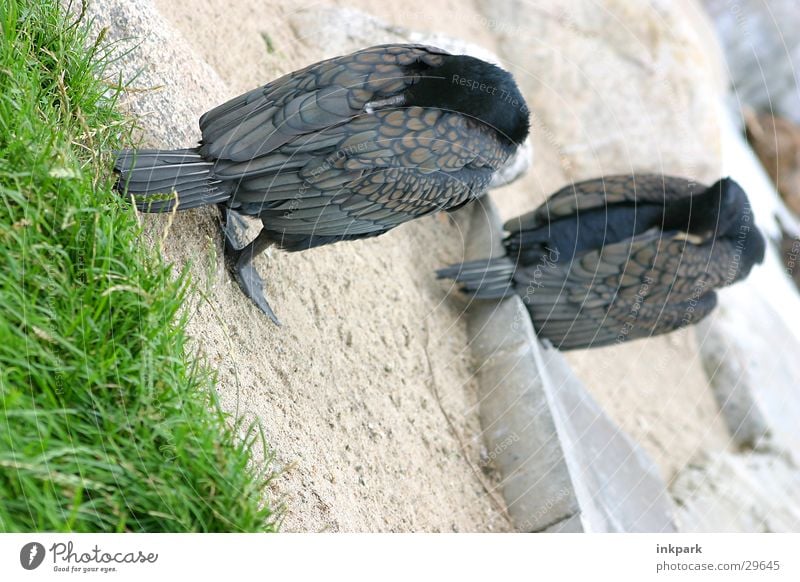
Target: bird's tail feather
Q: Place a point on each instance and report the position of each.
(159, 180)
(484, 278)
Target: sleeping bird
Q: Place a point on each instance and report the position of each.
(344, 149)
(621, 257)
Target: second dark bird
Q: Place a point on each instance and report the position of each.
(621, 257)
(344, 149)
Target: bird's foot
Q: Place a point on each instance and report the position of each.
(252, 285)
(240, 264)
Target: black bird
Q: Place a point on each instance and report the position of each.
(344, 149)
(621, 257)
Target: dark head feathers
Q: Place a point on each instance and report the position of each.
(704, 211)
(734, 206)
(736, 223)
(476, 89)
(722, 211)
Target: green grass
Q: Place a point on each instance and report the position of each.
(106, 424)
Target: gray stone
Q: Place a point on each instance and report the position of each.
(516, 418)
(170, 85)
(515, 415)
(570, 524)
(757, 491)
(761, 42)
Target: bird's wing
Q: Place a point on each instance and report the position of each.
(647, 285)
(597, 193)
(321, 95)
(368, 175)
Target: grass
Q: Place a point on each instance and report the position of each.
(106, 424)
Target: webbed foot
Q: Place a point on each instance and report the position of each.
(252, 285)
(240, 263)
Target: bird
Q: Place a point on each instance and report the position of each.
(617, 258)
(346, 148)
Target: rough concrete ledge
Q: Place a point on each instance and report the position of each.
(566, 467)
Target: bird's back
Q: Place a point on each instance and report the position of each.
(332, 152)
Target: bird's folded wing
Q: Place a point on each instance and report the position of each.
(306, 101)
(654, 282)
(597, 193)
(372, 203)
(368, 175)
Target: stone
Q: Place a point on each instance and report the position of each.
(618, 485)
(758, 491)
(615, 85)
(761, 44)
(170, 85)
